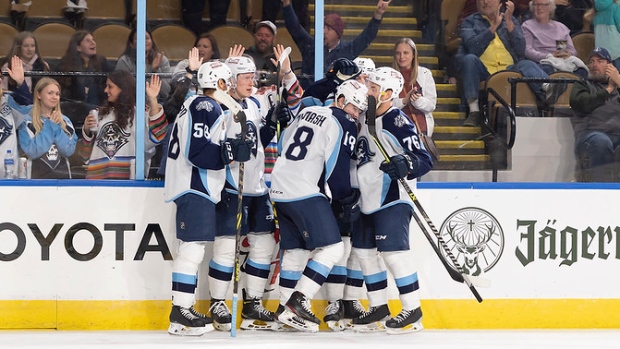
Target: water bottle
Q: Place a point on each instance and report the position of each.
(9, 164)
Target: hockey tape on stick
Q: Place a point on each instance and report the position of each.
(457, 275)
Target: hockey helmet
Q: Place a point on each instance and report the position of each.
(240, 65)
(211, 72)
(388, 79)
(354, 93)
(366, 65)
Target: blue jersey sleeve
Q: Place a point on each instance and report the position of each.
(339, 180)
(402, 131)
(203, 151)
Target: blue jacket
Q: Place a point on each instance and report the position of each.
(305, 43)
(476, 37)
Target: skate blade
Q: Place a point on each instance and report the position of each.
(258, 325)
(222, 327)
(182, 330)
(371, 327)
(289, 318)
(336, 326)
(411, 328)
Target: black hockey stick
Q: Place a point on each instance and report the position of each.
(457, 275)
(241, 119)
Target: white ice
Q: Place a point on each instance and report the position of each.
(427, 339)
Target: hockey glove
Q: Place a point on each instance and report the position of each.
(237, 150)
(351, 207)
(400, 165)
(343, 69)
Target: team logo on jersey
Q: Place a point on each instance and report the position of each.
(363, 152)
(476, 236)
(112, 139)
(5, 130)
(204, 105)
(251, 135)
(400, 120)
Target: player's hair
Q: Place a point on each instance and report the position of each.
(36, 106)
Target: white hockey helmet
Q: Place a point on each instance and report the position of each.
(388, 78)
(354, 93)
(211, 72)
(240, 65)
(366, 65)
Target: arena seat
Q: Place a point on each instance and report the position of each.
(53, 39)
(584, 44)
(103, 12)
(229, 35)
(111, 39)
(174, 40)
(41, 12)
(7, 33)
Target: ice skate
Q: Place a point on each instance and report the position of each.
(221, 315)
(188, 322)
(406, 321)
(298, 314)
(352, 309)
(334, 314)
(372, 320)
(255, 316)
(282, 327)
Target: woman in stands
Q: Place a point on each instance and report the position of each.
(109, 138)
(47, 136)
(207, 50)
(156, 61)
(548, 42)
(81, 56)
(26, 48)
(418, 98)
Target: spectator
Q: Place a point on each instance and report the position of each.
(11, 121)
(156, 61)
(271, 8)
(25, 47)
(47, 136)
(81, 56)
(333, 47)
(321, 92)
(193, 10)
(418, 98)
(596, 106)
(109, 138)
(264, 42)
(522, 10)
(493, 41)
(207, 50)
(606, 25)
(549, 43)
(570, 13)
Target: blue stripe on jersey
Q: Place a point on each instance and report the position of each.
(355, 274)
(318, 267)
(219, 267)
(406, 280)
(330, 162)
(184, 278)
(290, 274)
(338, 270)
(394, 141)
(377, 277)
(261, 266)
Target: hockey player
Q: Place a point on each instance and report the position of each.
(314, 166)
(259, 224)
(386, 207)
(195, 174)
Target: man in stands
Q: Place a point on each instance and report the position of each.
(492, 40)
(333, 47)
(262, 52)
(596, 106)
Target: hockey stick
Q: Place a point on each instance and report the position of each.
(240, 117)
(457, 275)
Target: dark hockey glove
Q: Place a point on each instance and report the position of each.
(343, 69)
(400, 165)
(350, 207)
(237, 150)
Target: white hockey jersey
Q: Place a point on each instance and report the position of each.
(194, 163)
(10, 120)
(397, 134)
(315, 156)
(254, 169)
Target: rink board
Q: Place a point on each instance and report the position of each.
(82, 257)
